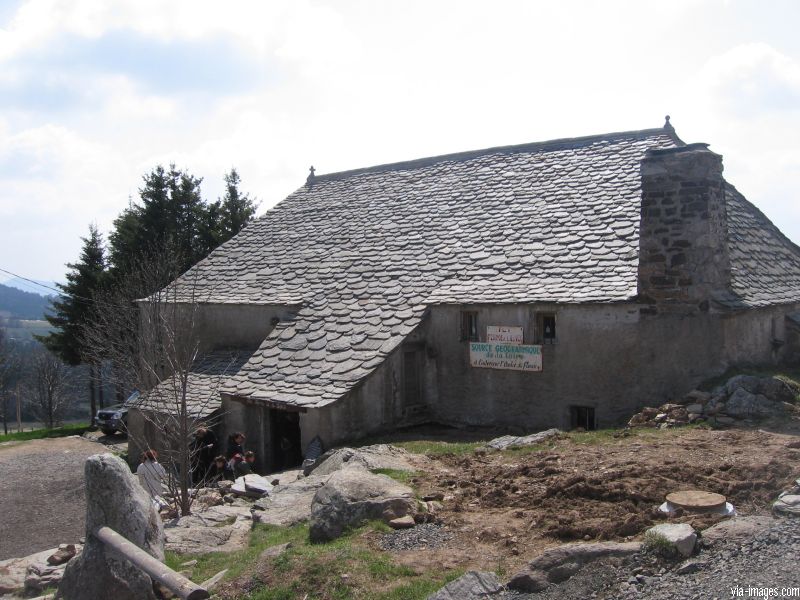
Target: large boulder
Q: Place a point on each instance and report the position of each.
(114, 499)
(744, 404)
(354, 495)
(473, 585)
(562, 562)
(378, 456)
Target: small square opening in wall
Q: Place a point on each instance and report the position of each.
(546, 328)
(583, 417)
(469, 326)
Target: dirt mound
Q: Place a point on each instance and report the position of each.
(612, 491)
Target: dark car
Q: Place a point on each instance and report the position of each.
(112, 419)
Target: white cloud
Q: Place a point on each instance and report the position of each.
(347, 84)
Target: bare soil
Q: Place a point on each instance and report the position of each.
(42, 498)
(504, 508)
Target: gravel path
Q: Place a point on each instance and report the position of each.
(42, 499)
(722, 572)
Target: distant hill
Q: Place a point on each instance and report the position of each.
(16, 304)
(27, 286)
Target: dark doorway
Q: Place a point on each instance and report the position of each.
(583, 417)
(285, 430)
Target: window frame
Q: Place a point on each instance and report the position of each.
(540, 326)
(469, 326)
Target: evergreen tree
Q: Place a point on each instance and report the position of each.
(72, 310)
(236, 208)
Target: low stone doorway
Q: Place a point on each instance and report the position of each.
(287, 452)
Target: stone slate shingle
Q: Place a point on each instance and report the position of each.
(365, 252)
(203, 385)
(765, 264)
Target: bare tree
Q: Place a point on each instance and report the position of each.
(154, 346)
(5, 372)
(48, 389)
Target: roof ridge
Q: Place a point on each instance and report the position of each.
(546, 145)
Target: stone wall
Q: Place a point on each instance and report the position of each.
(682, 239)
(607, 357)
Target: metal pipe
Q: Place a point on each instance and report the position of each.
(177, 583)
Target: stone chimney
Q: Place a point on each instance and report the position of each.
(683, 246)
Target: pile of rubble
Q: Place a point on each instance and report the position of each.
(741, 397)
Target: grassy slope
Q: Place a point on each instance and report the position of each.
(37, 434)
(314, 571)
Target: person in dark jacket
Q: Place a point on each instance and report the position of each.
(235, 444)
(220, 470)
(203, 451)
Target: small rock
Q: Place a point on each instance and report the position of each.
(690, 566)
(404, 522)
(211, 583)
(274, 551)
(787, 505)
(433, 496)
(679, 535)
(62, 555)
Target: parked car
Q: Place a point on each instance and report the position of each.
(114, 418)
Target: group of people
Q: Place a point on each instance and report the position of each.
(234, 463)
(207, 469)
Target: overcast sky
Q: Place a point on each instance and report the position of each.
(94, 93)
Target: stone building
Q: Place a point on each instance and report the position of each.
(561, 283)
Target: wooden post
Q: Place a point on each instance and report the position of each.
(177, 583)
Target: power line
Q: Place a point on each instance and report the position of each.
(41, 285)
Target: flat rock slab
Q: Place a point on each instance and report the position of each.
(736, 529)
(562, 562)
(378, 456)
(218, 529)
(290, 503)
(43, 495)
(14, 570)
(472, 585)
(513, 441)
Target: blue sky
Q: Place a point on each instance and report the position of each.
(94, 94)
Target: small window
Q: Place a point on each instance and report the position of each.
(469, 326)
(546, 328)
(582, 417)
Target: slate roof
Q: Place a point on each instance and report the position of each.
(765, 264)
(203, 385)
(365, 252)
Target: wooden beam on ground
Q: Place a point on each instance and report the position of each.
(177, 583)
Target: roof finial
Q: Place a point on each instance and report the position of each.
(667, 124)
(310, 178)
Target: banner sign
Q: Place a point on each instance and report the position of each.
(497, 334)
(517, 357)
